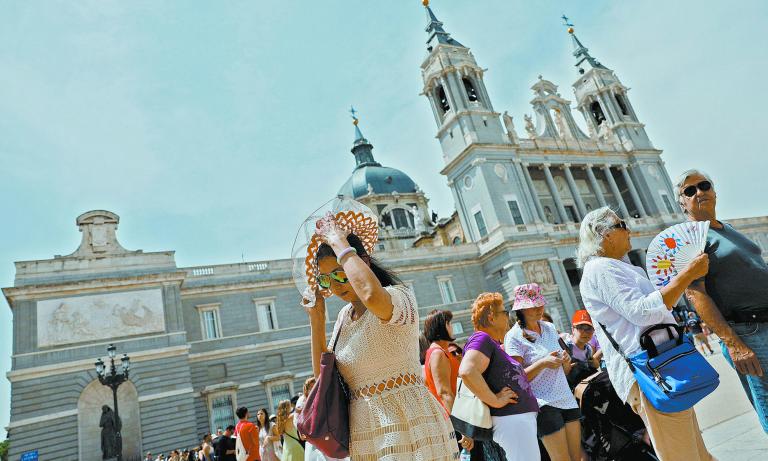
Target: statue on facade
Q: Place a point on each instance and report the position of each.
(529, 128)
(560, 123)
(510, 126)
(109, 442)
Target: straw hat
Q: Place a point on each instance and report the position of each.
(349, 215)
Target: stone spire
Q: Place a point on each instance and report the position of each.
(361, 148)
(437, 34)
(580, 51)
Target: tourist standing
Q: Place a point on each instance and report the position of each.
(267, 437)
(440, 372)
(621, 298)
(584, 360)
(286, 428)
(376, 345)
(733, 297)
(206, 449)
(248, 434)
(500, 381)
(536, 345)
(224, 449)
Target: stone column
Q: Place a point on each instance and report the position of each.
(633, 190)
(615, 191)
(555, 194)
(534, 194)
(595, 185)
(570, 301)
(530, 210)
(574, 190)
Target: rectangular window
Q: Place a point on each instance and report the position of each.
(266, 314)
(480, 224)
(210, 324)
(446, 290)
(458, 329)
(517, 216)
(667, 203)
(278, 393)
(571, 210)
(222, 410)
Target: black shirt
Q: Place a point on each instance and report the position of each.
(221, 446)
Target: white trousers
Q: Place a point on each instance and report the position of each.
(516, 434)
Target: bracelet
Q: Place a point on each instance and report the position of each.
(345, 252)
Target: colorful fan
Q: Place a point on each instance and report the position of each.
(673, 249)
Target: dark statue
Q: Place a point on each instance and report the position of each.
(109, 441)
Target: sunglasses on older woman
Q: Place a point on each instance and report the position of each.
(620, 225)
(324, 280)
(703, 186)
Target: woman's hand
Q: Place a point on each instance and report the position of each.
(505, 397)
(553, 360)
(329, 232)
(466, 442)
(316, 313)
(699, 267)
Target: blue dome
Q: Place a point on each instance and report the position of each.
(383, 180)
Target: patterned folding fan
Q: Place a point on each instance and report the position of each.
(673, 249)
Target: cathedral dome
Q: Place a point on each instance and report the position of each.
(369, 176)
(377, 179)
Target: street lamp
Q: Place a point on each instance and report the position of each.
(111, 378)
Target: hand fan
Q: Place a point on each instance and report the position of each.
(673, 249)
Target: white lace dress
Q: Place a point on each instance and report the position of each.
(393, 417)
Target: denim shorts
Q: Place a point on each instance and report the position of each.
(551, 419)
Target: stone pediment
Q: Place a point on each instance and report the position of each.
(99, 229)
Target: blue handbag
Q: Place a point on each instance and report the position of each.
(672, 375)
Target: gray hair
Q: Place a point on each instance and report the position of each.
(681, 180)
(595, 225)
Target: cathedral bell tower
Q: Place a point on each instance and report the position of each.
(453, 83)
(603, 100)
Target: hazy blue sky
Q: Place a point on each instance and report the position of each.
(214, 128)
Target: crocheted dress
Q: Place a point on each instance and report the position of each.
(393, 417)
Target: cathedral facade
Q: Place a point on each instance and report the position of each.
(205, 340)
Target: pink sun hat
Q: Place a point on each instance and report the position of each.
(528, 296)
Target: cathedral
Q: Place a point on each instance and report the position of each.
(204, 340)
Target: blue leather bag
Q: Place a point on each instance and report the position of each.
(672, 375)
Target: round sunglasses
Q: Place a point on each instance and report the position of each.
(324, 280)
(703, 186)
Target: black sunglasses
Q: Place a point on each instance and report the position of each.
(703, 186)
(620, 225)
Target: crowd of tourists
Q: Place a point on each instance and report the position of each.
(517, 388)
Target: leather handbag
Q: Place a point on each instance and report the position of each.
(469, 415)
(672, 375)
(324, 421)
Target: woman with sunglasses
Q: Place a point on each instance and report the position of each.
(621, 298)
(733, 298)
(392, 414)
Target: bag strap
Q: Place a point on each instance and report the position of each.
(338, 333)
(617, 347)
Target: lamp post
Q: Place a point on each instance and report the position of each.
(111, 378)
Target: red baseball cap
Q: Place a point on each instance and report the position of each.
(581, 317)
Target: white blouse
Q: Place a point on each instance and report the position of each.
(620, 296)
(550, 386)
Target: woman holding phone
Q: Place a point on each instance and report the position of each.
(536, 345)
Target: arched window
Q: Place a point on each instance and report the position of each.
(442, 99)
(622, 103)
(597, 112)
(470, 89)
(456, 240)
(398, 218)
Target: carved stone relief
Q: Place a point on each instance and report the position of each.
(102, 316)
(538, 271)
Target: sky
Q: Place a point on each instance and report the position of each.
(214, 128)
